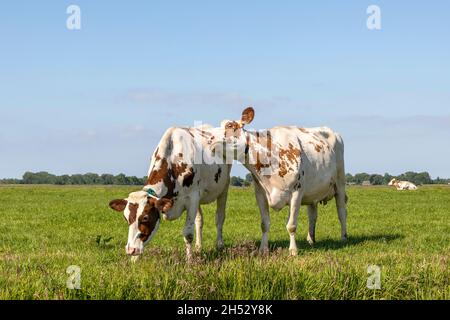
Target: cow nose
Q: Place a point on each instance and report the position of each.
(131, 251)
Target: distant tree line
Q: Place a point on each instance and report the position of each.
(76, 179)
(44, 177)
(239, 182)
(417, 178)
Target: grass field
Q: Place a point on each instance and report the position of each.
(45, 229)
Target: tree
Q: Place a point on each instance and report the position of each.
(387, 178)
(376, 179)
(249, 178)
(10, 181)
(91, 178)
(107, 179)
(416, 178)
(77, 179)
(361, 177)
(135, 181)
(423, 178)
(120, 179)
(42, 177)
(349, 178)
(27, 177)
(63, 180)
(236, 181)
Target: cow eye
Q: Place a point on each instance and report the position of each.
(141, 236)
(145, 218)
(229, 126)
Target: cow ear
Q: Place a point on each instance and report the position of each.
(247, 116)
(118, 204)
(164, 205)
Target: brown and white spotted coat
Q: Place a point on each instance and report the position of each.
(291, 166)
(183, 176)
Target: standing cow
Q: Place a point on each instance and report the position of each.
(402, 185)
(290, 166)
(181, 177)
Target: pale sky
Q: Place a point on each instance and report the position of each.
(98, 99)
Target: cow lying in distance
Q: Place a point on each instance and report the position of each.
(179, 179)
(402, 185)
(291, 166)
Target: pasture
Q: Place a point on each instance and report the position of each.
(45, 229)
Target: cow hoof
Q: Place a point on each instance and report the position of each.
(264, 251)
(220, 246)
(311, 240)
(198, 249)
(293, 252)
(344, 238)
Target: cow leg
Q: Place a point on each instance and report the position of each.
(312, 217)
(220, 217)
(198, 230)
(341, 204)
(188, 231)
(291, 226)
(263, 205)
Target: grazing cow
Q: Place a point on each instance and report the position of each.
(290, 166)
(179, 179)
(402, 185)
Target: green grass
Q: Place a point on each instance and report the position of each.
(45, 229)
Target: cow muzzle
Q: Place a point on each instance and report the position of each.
(133, 251)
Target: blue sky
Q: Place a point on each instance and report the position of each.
(98, 99)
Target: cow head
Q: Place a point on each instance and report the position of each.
(393, 182)
(142, 213)
(231, 136)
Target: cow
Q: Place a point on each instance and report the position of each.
(181, 177)
(402, 185)
(291, 166)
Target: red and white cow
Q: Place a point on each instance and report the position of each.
(402, 185)
(290, 166)
(182, 176)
